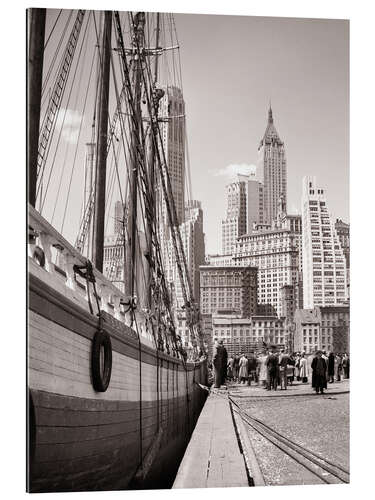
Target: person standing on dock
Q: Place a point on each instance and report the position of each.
(243, 373)
(319, 369)
(236, 367)
(252, 368)
(346, 365)
(263, 369)
(303, 368)
(272, 369)
(230, 367)
(331, 367)
(283, 364)
(217, 360)
(224, 363)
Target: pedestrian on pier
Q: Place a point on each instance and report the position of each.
(338, 363)
(236, 367)
(331, 367)
(283, 364)
(252, 368)
(272, 369)
(319, 369)
(217, 361)
(224, 363)
(346, 365)
(263, 369)
(297, 366)
(230, 367)
(303, 368)
(243, 372)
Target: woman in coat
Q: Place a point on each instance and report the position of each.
(243, 373)
(303, 368)
(263, 369)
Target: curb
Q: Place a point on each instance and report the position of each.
(251, 462)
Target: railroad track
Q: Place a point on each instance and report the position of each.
(327, 471)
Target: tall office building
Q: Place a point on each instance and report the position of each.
(192, 237)
(118, 220)
(273, 164)
(324, 267)
(172, 113)
(343, 233)
(244, 209)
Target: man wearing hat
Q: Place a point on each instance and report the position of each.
(319, 368)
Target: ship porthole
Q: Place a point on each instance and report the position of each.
(101, 361)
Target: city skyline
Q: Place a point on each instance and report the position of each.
(301, 66)
(308, 90)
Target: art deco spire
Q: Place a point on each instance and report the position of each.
(270, 117)
(270, 135)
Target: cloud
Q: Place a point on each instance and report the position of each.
(69, 122)
(294, 210)
(231, 171)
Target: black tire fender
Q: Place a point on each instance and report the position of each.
(101, 377)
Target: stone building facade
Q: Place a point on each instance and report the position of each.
(228, 288)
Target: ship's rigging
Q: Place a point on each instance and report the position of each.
(138, 165)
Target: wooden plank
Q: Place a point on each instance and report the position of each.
(213, 458)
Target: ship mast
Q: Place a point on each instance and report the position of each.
(101, 162)
(156, 94)
(37, 23)
(138, 43)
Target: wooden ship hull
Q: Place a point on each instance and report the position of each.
(134, 434)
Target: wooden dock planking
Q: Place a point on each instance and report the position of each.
(213, 458)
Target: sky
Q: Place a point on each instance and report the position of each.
(232, 68)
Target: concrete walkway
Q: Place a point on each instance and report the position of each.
(213, 458)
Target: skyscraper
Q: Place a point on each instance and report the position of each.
(244, 208)
(192, 237)
(172, 113)
(323, 261)
(118, 220)
(234, 224)
(273, 164)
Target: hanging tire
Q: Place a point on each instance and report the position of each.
(101, 376)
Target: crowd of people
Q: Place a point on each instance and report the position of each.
(272, 368)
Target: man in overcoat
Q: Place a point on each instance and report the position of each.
(283, 364)
(217, 362)
(224, 364)
(331, 366)
(252, 367)
(319, 368)
(272, 364)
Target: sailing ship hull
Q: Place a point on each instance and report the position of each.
(134, 434)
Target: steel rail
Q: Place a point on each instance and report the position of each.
(301, 455)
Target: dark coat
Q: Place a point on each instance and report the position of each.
(331, 364)
(224, 363)
(272, 363)
(217, 358)
(319, 369)
(252, 363)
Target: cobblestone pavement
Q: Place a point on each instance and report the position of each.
(319, 423)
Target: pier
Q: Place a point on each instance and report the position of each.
(243, 438)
